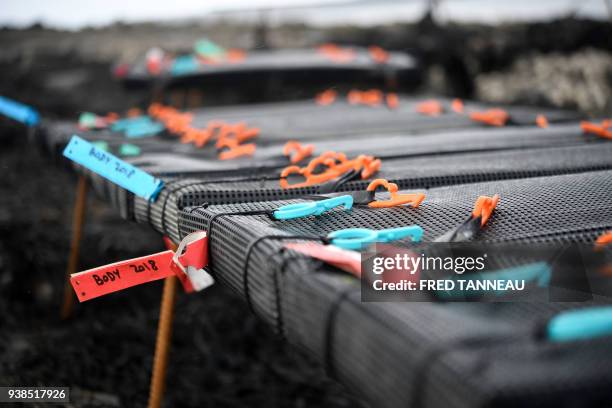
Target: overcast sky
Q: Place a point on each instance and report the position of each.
(78, 13)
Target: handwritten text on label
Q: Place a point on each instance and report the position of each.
(112, 168)
(122, 275)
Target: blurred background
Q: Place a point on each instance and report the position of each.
(552, 52)
(61, 57)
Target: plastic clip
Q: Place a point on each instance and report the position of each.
(301, 152)
(238, 132)
(603, 240)
(602, 130)
(484, 208)
(392, 100)
(541, 121)
(327, 159)
(357, 238)
(457, 105)
(580, 324)
(317, 208)
(370, 166)
(336, 53)
(378, 54)
(373, 97)
(189, 261)
(237, 150)
(326, 97)
(492, 117)
(430, 108)
(396, 199)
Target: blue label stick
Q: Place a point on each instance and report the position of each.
(18, 111)
(112, 168)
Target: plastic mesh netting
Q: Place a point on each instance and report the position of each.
(424, 354)
(423, 173)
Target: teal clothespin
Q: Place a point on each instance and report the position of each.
(128, 149)
(138, 127)
(580, 324)
(316, 208)
(183, 65)
(208, 49)
(357, 238)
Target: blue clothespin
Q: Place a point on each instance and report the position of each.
(299, 210)
(580, 324)
(357, 238)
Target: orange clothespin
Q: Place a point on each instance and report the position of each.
(238, 131)
(370, 166)
(392, 100)
(457, 105)
(603, 240)
(484, 207)
(189, 135)
(396, 199)
(327, 161)
(300, 152)
(372, 97)
(154, 109)
(111, 117)
(541, 121)
(205, 135)
(339, 164)
(336, 53)
(160, 111)
(602, 130)
(235, 55)
(430, 108)
(288, 171)
(600, 244)
(492, 117)
(199, 137)
(326, 97)
(237, 150)
(354, 97)
(378, 54)
(334, 165)
(178, 123)
(133, 112)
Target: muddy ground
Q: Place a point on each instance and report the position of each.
(222, 355)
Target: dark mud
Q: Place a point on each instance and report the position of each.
(222, 356)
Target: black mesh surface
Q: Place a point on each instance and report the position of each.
(302, 121)
(424, 354)
(422, 173)
(554, 184)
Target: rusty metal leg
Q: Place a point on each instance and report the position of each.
(73, 260)
(162, 344)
